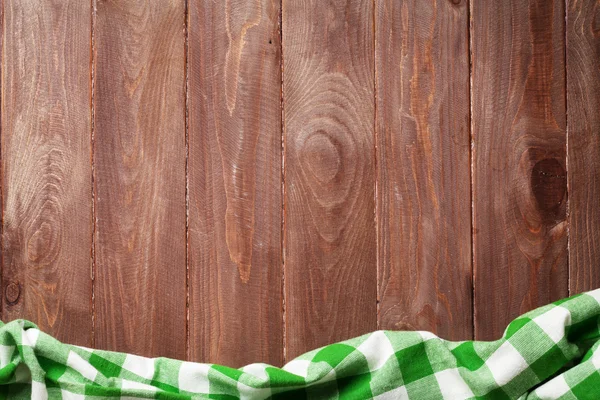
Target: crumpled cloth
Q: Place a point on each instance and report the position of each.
(549, 353)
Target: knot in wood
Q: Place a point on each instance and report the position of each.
(12, 293)
(548, 184)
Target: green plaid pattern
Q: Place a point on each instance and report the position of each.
(549, 353)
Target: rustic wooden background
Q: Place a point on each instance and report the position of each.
(244, 180)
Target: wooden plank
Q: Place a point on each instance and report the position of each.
(330, 235)
(46, 169)
(235, 182)
(519, 159)
(424, 184)
(583, 95)
(139, 163)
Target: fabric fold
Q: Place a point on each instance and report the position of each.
(548, 353)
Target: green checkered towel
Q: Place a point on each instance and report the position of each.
(549, 353)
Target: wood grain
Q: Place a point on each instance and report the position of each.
(330, 235)
(373, 185)
(519, 155)
(583, 95)
(139, 170)
(235, 214)
(46, 169)
(423, 143)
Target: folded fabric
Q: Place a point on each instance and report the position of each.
(549, 353)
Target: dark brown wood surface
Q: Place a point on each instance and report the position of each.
(423, 155)
(46, 171)
(235, 204)
(519, 159)
(139, 177)
(243, 181)
(583, 95)
(329, 225)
